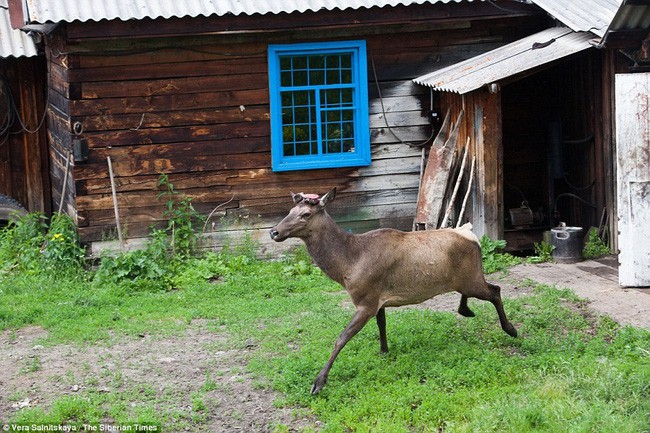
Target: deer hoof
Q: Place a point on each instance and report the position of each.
(319, 383)
(510, 330)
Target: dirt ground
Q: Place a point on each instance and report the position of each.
(594, 280)
(173, 368)
(176, 367)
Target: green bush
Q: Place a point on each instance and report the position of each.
(594, 247)
(493, 259)
(149, 268)
(543, 253)
(30, 245)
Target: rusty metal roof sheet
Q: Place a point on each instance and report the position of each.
(42, 11)
(13, 43)
(522, 55)
(582, 15)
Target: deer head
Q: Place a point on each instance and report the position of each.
(303, 217)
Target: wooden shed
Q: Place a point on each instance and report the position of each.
(559, 126)
(24, 174)
(240, 106)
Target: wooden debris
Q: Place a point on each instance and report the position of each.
(436, 176)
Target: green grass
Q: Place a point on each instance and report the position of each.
(568, 371)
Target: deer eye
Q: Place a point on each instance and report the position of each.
(305, 215)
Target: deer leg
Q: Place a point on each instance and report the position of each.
(498, 304)
(492, 293)
(463, 309)
(360, 318)
(381, 323)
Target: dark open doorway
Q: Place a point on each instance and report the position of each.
(550, 152)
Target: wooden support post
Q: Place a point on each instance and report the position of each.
(115, 207)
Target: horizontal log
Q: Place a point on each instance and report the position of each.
(192, 163)
(161, 119)
(229, 66)
(166, 103)
(191, 135)
(172, 86)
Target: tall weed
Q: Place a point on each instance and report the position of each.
(31, 245)
(184, 220)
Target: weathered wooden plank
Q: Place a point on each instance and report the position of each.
(436, 174)
(199, 136)
(166, 103)
(200, 68)
(192, 163)
(173, 86)
(398, 119)
(176, 118)
(397, 104)
(167, 51)
(409, 134)
(633, 190)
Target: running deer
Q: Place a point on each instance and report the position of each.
(388, 268)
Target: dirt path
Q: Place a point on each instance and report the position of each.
(594, 280)
(174, 369)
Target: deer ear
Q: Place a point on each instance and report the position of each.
(297, 198)
(328, 197)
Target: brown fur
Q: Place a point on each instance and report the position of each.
(388, 268)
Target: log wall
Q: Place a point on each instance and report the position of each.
(161, 98)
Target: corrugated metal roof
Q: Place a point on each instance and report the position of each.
(42, 11)
(511, 59)
(13, 43)
(631, 20)
(582, 15)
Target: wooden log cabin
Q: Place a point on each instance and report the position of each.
(226, 106)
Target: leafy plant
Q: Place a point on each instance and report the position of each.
(594, 247)
(543, 253)
(184, 221)
(20, 243)
(493, 259)
(148, 268)
(61, 250)
(298, 262)
(30, 245)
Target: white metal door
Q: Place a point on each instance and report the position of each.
(633, 177)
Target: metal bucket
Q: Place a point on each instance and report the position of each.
(568, 243)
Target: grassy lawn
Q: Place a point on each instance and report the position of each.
(567, 371)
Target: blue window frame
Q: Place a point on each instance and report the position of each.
(319, 105)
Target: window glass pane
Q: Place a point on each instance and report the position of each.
(287, 136)
(346, 61)
(346, 76)
(303, 148)
(317, 62)
(300, 77)
(347, 96)
(333, 76)
(299, 62)
(333, 61)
